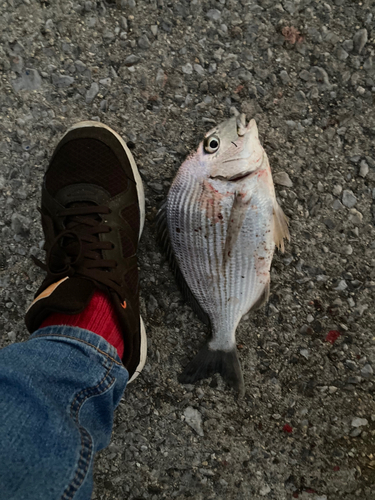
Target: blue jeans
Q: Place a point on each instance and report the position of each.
(58, 392)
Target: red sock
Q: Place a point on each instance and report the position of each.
(98, 317)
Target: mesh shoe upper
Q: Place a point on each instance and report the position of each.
(74, 164)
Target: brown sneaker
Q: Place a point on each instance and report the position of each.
(93, 211)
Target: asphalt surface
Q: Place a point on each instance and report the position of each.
(161, 74)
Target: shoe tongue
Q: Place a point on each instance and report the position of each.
(75, 204)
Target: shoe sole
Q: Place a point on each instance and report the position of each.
(141, 199)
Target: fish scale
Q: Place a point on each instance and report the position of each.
(199, 269)
(223, 222)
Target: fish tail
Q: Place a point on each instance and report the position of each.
(209, 361)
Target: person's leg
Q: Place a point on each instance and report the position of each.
(58, 394)
(59, 389)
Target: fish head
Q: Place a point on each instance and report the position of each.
(232, 150)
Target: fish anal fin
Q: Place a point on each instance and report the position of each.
(263, 298)
(208, 362)
(280, 224)
(165, 242)
(237, 216)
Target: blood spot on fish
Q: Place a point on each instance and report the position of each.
(178, 230)
(220, 216)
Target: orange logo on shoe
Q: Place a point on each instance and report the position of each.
(47, 292)
(123, 305)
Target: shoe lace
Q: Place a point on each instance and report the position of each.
(77, 250)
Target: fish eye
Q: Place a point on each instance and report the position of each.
(212, 144)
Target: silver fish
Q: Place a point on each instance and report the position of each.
(219, 225)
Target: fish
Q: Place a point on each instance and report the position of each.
(219, 227)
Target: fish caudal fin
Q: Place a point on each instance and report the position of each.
(209, 361)
(281, 230)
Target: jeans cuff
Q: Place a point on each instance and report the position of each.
(81, 335)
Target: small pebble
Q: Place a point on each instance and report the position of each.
(187, 69)
(351, 364)
(106, 82)
(348, 45)
(355, 216)
(341, 286)
(213, 14)
(80, 66)
(284, 77)
(337, 205)
(199, 69)
(124, 23)
(160, 76)
(337, 189)
(62, 81)
(305, 353)
(351, 302)
(92, 92)
(348, 198)
(194, 419)
(282, 179)
(341, 54)
(144, 42)
(360, 40)
(131, 60)
(359, 422)
(364, 169)
(347, 249)
(367, 371)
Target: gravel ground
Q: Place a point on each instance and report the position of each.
(161, 73)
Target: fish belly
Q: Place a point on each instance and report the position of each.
(198, 222)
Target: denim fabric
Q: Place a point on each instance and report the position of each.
(58, 392)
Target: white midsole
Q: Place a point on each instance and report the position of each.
(141, 200)
(143, 354)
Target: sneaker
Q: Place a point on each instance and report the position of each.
(93, 210)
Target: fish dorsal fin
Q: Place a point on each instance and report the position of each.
(237, 216)
(280, 226)
(165, 241)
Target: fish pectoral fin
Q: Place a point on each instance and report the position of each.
(209, 361)
(263, 298)
(281, 230)
(237, 216)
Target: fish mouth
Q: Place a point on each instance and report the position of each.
(239, 177)
(234, 178)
